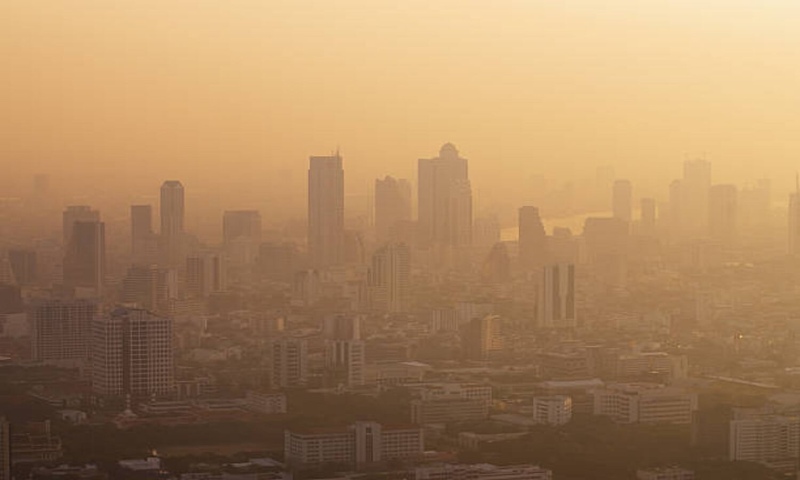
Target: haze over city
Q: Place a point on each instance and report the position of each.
(368, 240)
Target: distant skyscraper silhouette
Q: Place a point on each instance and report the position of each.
(144, 247)
(556, 303)
(648, 215)
(723, 213)
(241, 236)
(172, 222)
(61, 331)
(445, 199)
(532, 238)
(695, 190)
(205, 274)
(75, 213)
(326, 211)
(622, 200)
(389, 278)
(23, 265)
(85, 258)
(392, 207)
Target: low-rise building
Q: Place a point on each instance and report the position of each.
(552, 410)
(645, 403)
(482, 471)
(266, 403)
(769, 439)
(665, 473)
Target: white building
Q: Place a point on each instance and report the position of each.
(482, 471)
(266, 403)
(645, 403)
(556, 302)
(673, 366)
(132, 354)
(346, 360)
(289, 362)
(205, 274)
(552, 410)
(772, 440)
(359, 444)
(389, 278)
(665, 473)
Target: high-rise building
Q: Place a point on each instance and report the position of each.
(482, 337)
(622, 200)
(695, 190)
(140, 287)
(445, 198)
(132, 354)
(85, 257)
(532, 238)
(23, 266)
(172, 222)
(772, 440)
(279, 261)
(144, 242)
(342, 327)
(76, 213)
(648, 215)
(205, 274)
(61, 331)
(496, 267)
(289, 363)
(5, 450)
(556, 302)
(241, 236)
(345, 362)
(390, 278)
(392, 207)
(607, 243)
(723, 213)
(326, 211)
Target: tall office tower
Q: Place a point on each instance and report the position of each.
(389, 278)
(392, 208)
(607, 242)
(23, 266)
(622, 200)
(794, 221)
(695, 185)
(445, 198)
(482, 337)
(496, 267)
(241, 236)
(648, 215)
(205, 274)
(144, 242)
(532, 239)
(556, 302)
(85, 258)
(61, 331)
(172, 222)
(345, 361)
(342, 327)
(132, 354)
(723, 213)
(5, 450)
(326, 211)
(140, 287)
(289, 363)
(76, 213)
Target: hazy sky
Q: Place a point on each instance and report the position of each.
(154, 89)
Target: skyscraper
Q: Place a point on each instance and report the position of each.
(392, 207)
(241, 236)
(205, 274)
(85, 258)
(23, 265)
(389, 278)
(723, 213)
(445, 198)
(695, 185)
(556, 302)
(622, 200)
(289, 362)
(132, 354)
(345, 361)
(482, 337)
(143, 240)
(326, 211)
(75, 213)
(61, 331)
(172, 222)
(532, 238)
(648, 215)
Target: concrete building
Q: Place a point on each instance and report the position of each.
(723, 213)
(360, 444)
(144, 241)
(556, 301)
(482, 337)
(532, 239)
(552, 410)
(268, 403)
(61, 331)
(173, 215)
(206, 273)
(73, 214)
(481, 471)
(769, 439)
(85, 256)
(665, 473)
(448, 410)
(241, 237)
(645, 403)
(389, 278)
(346, 360)
(444, 199)
(392, 209)
(289, 358)
(132, 354)
(326, 211)
(622, 200)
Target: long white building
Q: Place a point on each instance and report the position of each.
(645, 403)
(771, 440)
(482, 471)
(61, 331)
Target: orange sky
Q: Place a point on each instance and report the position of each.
(244, 90)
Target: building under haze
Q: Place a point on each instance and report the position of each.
(173, 215)
(794, 222)
(556, 299)
(23, 266)
(144, 242)
(205, 274)
(326, 211)
(76, 213)
(723, 213)
(689, 200)
(289, 358)
(241, 237)
(85, 256)
(647, 215)
(132, 354)
(532, 239)
(445, 199)
(622, 200)
(61, 331)
(390, 278)
(392, 208)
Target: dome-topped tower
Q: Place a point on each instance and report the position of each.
(448, 150)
